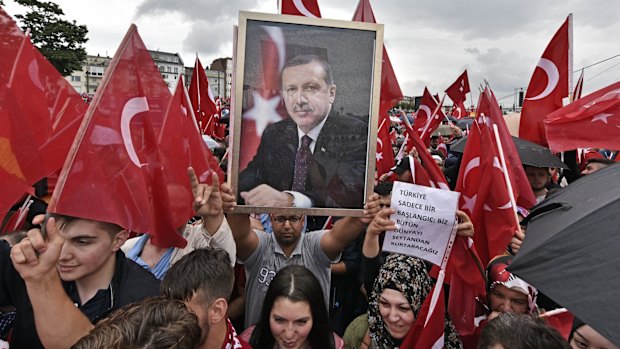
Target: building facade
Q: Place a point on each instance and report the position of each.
(87, 80)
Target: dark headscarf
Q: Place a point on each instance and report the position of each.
(407, 275)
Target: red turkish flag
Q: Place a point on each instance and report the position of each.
(390, 89)
(485, 199)
(426, 109)
(426, 171)
(458, 110)
(181, 146)
(265, 106)
(429, 334)
(549, 84)
(432, 123)
(590, 122)
(50, 124)
(562, 322)
(306, 8)
(459, 89)
(489, 114)
(202, 98)
(384, 154)
(115, 172)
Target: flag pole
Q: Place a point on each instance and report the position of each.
(500, 150)
(570, 57)
(442, 273)
(17, 57)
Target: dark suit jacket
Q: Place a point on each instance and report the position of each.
(337, 174)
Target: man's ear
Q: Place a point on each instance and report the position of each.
(217, 311)
(119, 239)
(332, 93)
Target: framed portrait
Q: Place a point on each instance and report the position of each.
(306, 101)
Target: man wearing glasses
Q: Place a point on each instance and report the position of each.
(263, 254)
(315, 158)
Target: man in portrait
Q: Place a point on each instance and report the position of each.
(314, 158)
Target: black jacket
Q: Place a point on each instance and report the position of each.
(129, 284)
(338, 171)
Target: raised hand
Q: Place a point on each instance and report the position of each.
(207, 198)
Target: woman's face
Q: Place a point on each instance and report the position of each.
(290, 323)
(396, 313)
(585, 337)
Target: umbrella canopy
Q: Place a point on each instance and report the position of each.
(571, 252)
(530, 153)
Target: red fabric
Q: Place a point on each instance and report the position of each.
(390, 95)
(21, 163)
(484, 195)
(307, 8)
(42, 131)
(430, 336)
(181, 146)
(562, 322)
(433, 123)
(598, 113)
(484, 198)
(489, 114)
(427, 106)
(549, 84)
(266, 105)
(384, 154)
(427, 172)
(459, 111)
(458, 90)
(202, 99)
(114, 172)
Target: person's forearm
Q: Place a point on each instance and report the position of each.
(239, 225)
(346, 230)
(213, 223)
(370, 247)
(339, 268)
(58, 321)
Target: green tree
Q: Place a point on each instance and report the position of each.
(59, 40)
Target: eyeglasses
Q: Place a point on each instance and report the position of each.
(283, 219)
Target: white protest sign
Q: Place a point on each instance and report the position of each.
(425, 219)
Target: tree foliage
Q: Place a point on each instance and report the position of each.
(59, 40)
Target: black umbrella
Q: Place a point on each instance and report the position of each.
(571, 252)
(530, 153)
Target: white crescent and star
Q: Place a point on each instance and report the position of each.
(302, 9)
(553, 76)
(473, 163)
(263, 112)
(132, 108)
(601, 117)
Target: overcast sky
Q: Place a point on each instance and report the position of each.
(430, 42)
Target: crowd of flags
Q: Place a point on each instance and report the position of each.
(123, 157)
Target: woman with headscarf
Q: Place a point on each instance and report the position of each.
(396, 299)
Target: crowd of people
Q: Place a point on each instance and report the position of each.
(271, 280)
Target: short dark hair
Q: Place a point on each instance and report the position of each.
(65, 222)
(384, 188)
(307, 59)
(296, 283)
(156, 323)
(520, 331)
(206, 272)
